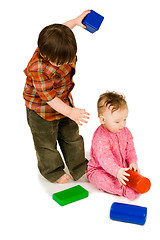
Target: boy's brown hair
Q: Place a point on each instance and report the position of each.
(57, 44)
(110, 99)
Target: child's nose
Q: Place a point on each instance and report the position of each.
(123, 124)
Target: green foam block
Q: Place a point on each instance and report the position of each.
(70, 195)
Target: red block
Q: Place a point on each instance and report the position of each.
(138, 182)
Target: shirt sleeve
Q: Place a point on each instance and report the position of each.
(131, 156)
(43, 85)
(106, 158)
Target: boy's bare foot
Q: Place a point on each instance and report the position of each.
(63, 179)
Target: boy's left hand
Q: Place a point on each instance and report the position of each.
(134, 167)
(78, 20)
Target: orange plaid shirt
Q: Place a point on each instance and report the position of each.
(45, 82)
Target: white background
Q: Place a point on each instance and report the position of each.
(123, 56)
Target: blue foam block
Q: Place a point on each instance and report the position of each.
(93, 21)
(128, 213)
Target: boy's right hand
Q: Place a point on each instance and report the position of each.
(121, 175)
(78, 20)
(79, 115)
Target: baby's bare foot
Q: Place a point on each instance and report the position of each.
(63, 179)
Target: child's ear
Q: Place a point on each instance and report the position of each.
(101, 119)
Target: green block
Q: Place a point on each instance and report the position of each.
(70, 195)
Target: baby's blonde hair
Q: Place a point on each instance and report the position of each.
(112, 101)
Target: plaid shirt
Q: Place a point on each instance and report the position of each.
(45, 82)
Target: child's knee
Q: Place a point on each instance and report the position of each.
(130, 193)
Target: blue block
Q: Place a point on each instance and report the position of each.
(128, 213)
(93, 21)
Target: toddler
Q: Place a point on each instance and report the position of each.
(51, 114)
(112, 150)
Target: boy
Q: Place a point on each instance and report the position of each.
(51, 114)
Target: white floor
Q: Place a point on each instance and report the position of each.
(122, 56)
(28, 211)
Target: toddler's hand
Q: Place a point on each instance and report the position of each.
(134, 167)
(121, 175)
(79, 115)
(78, 20)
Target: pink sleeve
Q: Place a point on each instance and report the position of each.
(131, 156)
(105, 157)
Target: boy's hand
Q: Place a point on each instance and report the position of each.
(134, 167)
(79, 115)
(78, 20)
(121, 175)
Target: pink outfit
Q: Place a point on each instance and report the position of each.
(110, 152)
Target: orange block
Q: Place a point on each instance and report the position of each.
(138, 182)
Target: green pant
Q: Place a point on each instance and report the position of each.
(45, 135)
